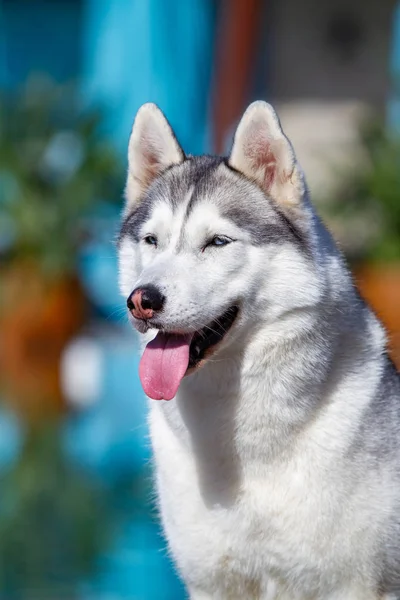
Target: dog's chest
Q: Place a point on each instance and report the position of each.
(226, 519)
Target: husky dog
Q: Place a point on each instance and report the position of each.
(278, 456)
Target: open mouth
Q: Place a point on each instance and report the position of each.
(170, 356)
(210, 336)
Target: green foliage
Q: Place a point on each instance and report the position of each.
(369, 194)
(54, 168)
(52, 520)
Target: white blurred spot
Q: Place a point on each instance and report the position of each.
(81, 372)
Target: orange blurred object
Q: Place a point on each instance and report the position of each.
(380, 286)
(236, 51)
(37, 318)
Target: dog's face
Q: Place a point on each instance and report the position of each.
(210, 247)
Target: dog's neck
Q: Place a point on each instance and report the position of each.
(253, 382)
(246, 410)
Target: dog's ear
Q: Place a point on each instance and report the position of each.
(153, 148)
(262, 153)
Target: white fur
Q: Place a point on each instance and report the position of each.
(259, 131)
(152, 148)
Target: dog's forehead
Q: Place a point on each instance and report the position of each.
(209, 180)
(201, 182)
(202, 176)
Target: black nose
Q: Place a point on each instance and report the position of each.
(150, 298)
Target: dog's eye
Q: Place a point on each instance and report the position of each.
(219, 240)
(151, 240)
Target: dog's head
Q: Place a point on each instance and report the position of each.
(210, 247)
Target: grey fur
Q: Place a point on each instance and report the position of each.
(207, 175)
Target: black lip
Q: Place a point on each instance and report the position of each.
(211, 335)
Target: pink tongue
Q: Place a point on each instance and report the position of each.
(163, 365)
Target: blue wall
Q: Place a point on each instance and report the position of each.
(40, 35)
(394, 103)
(155, 50)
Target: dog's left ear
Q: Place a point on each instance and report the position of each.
(153, 148)
(262, 152)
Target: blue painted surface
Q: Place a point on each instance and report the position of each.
(136, 568)
(3, 71)
(98, 266)
(11, 439)
(40, 36)
(139, 51)
(394, 102)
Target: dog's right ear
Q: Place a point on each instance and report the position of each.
(153, 148)
(262, 153)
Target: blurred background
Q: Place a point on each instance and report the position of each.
(77, 515)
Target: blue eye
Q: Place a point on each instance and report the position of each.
(219, 240)
(151, 240)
